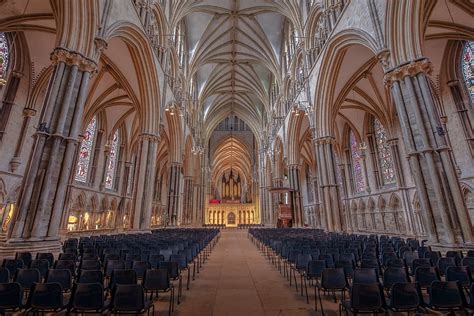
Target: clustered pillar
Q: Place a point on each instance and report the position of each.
(144, 172)
(330, 195)
(43, 193)
(294, 180)
(173, 196)
(445, 214)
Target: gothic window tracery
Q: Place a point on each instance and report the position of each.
(468, 67)
(4, 58)
(384, 153)
(85, 152)
(112, 165)
(356, 163)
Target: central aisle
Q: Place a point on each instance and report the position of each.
(238, 280)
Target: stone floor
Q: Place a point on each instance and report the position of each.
(238, 280)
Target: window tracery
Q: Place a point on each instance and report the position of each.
(112, 165)
(85, 152)
(4, 58)
(468, 67)
(359, 184)
(384, 153)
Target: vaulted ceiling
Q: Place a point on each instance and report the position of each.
(234, 48)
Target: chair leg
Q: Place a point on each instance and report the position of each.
(306, 290)
(294, 277)
(194, 270)
(315, 299)
(321, 302)
(189, 274)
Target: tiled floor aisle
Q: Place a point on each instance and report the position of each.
(238, 280)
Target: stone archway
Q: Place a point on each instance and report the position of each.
(231, 219)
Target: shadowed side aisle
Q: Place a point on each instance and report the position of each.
(238, 280)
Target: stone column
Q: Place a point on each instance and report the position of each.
(15, 161)
(42, 197)
(173, 196)
(330, 195)
(294, 181)
(188, 200)
(401, 182)
(432, 166)
(144, 184)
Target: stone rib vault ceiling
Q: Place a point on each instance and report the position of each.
(234, 49)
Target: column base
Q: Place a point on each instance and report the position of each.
(10, 247)
(452, 246)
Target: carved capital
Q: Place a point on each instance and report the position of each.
(324, 140)
(29, 112)
(410, 69)
(73, 58)
(149, 137)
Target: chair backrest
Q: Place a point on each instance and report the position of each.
(315, 268)
(140, 267)
(468, 262)
(461, 274)
(46, 255)
(154, 259)
(66, 264)
(405, 296)
(166, 253)
(446, 262)
(365, 276)
(26, 257)
(302, 261)
(470, 253)
(422, 262)
(90, 265)
(156, 280)
(128, 297)
(367, 297)
(446, 294)
(11, 295)
(45, 296)
(12, 265)
(26, 277)
(396, 263)
(329, 258)
(172, 267)
(122, 277)
(334, 278)
(87, 296)
(67, 256)
(425, 275)
(41, 264)
(347, 265)
(4, 275)
(394, 275)
(61, 276)
(180, 260)
(91, 276)
(112, 265)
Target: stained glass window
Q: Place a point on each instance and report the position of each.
(468, 67)
(85, 151)
(113, 155)
(358, 177)
(4, 55)
(384, 153)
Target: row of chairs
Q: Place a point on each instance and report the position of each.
(315, 255)
(98, 260)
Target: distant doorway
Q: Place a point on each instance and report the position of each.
(231, 218)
